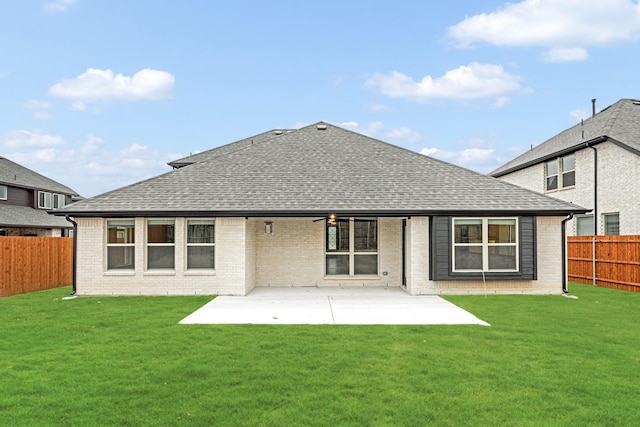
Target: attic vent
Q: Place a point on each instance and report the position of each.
(322, 127)
(636, 102)
(278, 132)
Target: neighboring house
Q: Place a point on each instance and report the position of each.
(319, 206)
(25, 198)
(595, 164)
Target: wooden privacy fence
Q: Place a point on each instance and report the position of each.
(34, 263)
(609, 261)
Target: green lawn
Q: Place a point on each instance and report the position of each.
(545, 360)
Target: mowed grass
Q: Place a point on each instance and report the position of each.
(545, 360)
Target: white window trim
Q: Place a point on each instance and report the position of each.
(576, 220)
(147, 245)
(124, 271)
(352, 252)
(187, 245)
(559, 174)
(3, 192)
(485, 245)
(56, 198)
(604, 223)
(47, 197)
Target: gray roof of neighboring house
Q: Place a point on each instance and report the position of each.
(317, 170)
(25, 216)
(228, 148)
(619, 123)
(12, 174)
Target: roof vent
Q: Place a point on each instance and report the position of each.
(322, 127)
(278, 132)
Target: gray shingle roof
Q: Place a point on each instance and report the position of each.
(619, 122)
(313, 171)
(12, 174)
(25, 216)
(228, 148)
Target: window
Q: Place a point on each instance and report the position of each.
(120, 244)
(58, 201)
(560, 173)
(485, 244)
(3, 192)
(584, 225)
(44, 200)
(568, 171)
(612, 224)
(351, 247)
(160, 244)
(552, 175)
(200, 244)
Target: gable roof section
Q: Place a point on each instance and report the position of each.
(618, 123)
(314, 171)
(12, 174)
(228, 148)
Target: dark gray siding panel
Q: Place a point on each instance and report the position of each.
(441, 252)
(19, 196)
(528, 247)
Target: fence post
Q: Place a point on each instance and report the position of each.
(593, 255)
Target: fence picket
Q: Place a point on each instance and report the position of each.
(30, 264)
(617, 261)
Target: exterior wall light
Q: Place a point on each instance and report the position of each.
(268, 227)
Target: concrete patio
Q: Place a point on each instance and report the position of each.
(339, 306)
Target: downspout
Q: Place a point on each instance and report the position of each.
(75, 252)
(565, 289)
(595, 189)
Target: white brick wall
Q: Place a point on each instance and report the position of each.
(549, 264)
(229, 277)
(618, 175)
(293, 255)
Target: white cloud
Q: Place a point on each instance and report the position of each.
(42, 115)
(371, 129)
(562, 24)
(404, 133)
(91, 144)
(471, 81)
(30, 139)
(38, 107)
(105, 85)
(579, 114)
(560, 54)
(377, 108)
(471, 158)
(79, 106)
(89, 166)
(58, 5)
(34, 104)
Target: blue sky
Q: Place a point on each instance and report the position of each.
(98, 94)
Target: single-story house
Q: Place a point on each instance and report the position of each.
(319, 206)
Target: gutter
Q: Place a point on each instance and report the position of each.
(317, 213)
(565, 289)
(555, 154)
(75, 252)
